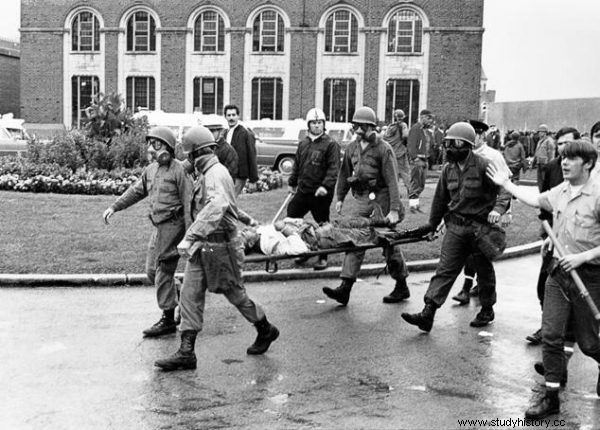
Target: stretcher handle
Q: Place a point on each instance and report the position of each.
(574, 275)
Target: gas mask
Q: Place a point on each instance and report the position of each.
(160, 152)
(456, 150)
(365, 132)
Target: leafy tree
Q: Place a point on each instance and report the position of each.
(107, 117)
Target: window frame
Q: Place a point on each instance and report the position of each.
(331, 26)
(258, 33)
(257, 97)
(76, 37)
(392, 103)
(199, 40)
(416, 32)
(130, 95)
(77, 111)
(198, 94)
(132, 33)
(329, 102)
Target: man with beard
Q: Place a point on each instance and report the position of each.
(464, 198)
(369, 170)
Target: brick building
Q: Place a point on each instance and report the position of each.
(273, 59)
(9, 77)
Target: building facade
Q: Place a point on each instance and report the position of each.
(9, 77)
(272, 59)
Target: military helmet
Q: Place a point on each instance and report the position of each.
(365, 115)
(214, 122)
(196, 138)
(164, 134)
(461, 131)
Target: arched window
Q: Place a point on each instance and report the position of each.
(140, 93)
(339, 99)
(268, 32)
(85, 32)
(405, 32)
(267, 98)
(209, 32)
(141, 32)
(341, 32)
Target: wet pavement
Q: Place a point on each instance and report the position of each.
(75, 359)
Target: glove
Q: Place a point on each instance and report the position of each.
(107, 214)
(338, 206)
(321, 191)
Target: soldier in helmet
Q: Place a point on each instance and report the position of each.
(168, 186)
(214, 251)
(314, 175)
(464, 198)
(396, 135)
(369, 170)
(224, 151)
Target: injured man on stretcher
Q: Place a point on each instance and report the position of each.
(295, 236)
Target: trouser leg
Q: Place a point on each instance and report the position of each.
(404, 172)
(168, 236)
(486, 279)
(585, 325)
(555, 315)
(193, 296)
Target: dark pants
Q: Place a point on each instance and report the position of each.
(302, 203)
(458, 244)
(418, 173)
(563, 302)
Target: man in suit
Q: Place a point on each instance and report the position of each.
(242, 141)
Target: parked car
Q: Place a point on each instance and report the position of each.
(10, 145)
(277, 140)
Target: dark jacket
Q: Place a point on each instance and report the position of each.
(316, 164)
(551, 178)
(418, 142)
(227, 157)
(371, 169)
(244, 144)
(468, 193)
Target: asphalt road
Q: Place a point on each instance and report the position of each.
(75, 359)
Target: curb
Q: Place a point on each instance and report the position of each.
(114, 280)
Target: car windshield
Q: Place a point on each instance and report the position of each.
(268, 132)
(4, 134)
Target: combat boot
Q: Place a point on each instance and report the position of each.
(535, 338)
(424, 319)
(340, 294)
(547, 405)
(463, 298)
(267, 333)
(484, 317)
(184, 358)
(400, 292)
(165, 325)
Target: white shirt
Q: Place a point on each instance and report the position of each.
(230, 133)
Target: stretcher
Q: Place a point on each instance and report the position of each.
(387, 237)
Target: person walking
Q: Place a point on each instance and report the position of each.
(313, 177)
(166, 184)
(464, 198)
(514, 154)
(420, 138)
(544, 152)
(214, 253)
(396, 136)
(369, 170)
(243, 141)
(575, 207)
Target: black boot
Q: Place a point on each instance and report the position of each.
(547, 405)
(342, 293)
(535, 338)
(424, 319)
(399, 293)
(184, 358)
(541, 370)
(267, 333)
(484, 317)
(463, 298)
(165, 325)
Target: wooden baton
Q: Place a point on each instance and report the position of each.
(582, 290)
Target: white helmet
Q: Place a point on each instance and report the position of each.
(213, 121)
(315, 114)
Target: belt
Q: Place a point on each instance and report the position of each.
(218, 237)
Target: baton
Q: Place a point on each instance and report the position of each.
(285, 202)
(580, 286)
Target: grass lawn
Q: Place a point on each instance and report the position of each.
(56, 233)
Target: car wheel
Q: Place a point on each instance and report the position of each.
(285, 164)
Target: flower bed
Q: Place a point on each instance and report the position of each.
(23, 176)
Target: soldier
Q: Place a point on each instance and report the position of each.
(369, 170)
(544, 152)
(464, 198)
(166, 183)
(214, 251)
(420, 138)
(396, 135)
(313, 177)
(224, 151)
(575, 207)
